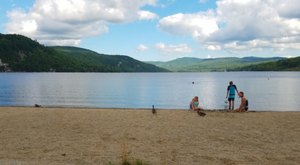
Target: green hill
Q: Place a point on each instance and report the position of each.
(213, 64)
(177, 64)
(21, 54)
(291, 64)
(110, 63)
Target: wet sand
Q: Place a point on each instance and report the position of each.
(171, 137)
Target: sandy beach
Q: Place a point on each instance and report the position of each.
(106, 136)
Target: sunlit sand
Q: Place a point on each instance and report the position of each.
(104, 136)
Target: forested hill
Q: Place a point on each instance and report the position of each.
(21, 54)
(187, 64)
(291, 64)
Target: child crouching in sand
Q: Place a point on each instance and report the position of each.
(194, 105)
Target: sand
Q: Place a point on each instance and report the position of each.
(172, 137)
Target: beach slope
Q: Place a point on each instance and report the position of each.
(108, 136)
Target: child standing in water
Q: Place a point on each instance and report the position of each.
(231, 89)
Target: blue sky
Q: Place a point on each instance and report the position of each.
(160, 30)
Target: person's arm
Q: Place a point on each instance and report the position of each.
(192, 105)
(194, 108)
(236, 89)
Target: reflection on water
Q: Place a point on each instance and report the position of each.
(265, 90)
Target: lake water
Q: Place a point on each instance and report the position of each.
(276, 91)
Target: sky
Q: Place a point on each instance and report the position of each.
(160, 30)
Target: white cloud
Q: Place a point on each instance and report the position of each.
(246, 20)
(180, 48)
(256, 24)
(142, 47)
(22, 23)
(147, 15)
(68, 21)
(213, 47)
(241, 25)
(199, 25)
(287, 8)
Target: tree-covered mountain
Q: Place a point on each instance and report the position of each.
(212, 64)
(93, 61)
(291, 64)
(21, 54)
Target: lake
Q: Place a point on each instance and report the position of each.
(268, 91)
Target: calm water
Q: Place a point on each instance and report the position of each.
(265, 90)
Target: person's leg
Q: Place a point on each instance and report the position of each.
(232, 104)
(229, 100)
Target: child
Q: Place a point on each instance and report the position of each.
(231, 94)
(194, 105)
(244, 103)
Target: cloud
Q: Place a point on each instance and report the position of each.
(180, 48)
(22, 22)
(241, 25)
(199, 25)
(213, 47)
(147, 15)
(68, 21)
(141, 48)
(287, 8)
(246, 20)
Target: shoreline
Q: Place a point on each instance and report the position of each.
(138, 109)
(39, 135)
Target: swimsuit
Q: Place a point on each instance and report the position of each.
(231, 89)
(195, 104)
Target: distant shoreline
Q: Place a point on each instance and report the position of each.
(166, 71)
